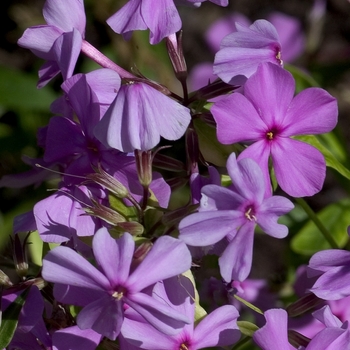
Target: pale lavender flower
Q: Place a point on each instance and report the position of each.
(160, 17)
(242, 51)
(106, 289)
(61, 216)
(219, 328)
(139, 116)
(267, 115)
(333, 268)
(59, 42)
(232, 213)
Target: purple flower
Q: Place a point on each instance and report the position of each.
(333, 268)
(160, 17)
(139, 116)
(59, 42)
(241, 52)
(233, 213)
(107, 289)
(60, 217)
(291, 36)
(267, 115)
(273, 336)
(219, 328)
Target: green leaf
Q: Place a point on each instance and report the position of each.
(18, 91)
(335, 217)
(129, 212)
(10, 319)
(331, 160)
(212, 150)
(247, 328)
(302, 79)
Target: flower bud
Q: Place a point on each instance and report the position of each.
(144, 167)
(109, 182)
(175, 52)
(20, 256)
(303, 305)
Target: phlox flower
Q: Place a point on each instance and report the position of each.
(219, 328)
(139, 116)
(160, 17)
(58, 42)
(232, 213)
(242, 51)
(289, 29)
(267, 115)
(273, 336)
(106, 289)
(333, 270)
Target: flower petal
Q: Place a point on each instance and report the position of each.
(237, 120)
(269, 212)
(236, 261)
(167, 258)
(299, 167)
(209, 227)
(57, 13)
(270, 90)
(162, 19)
(161, 316)
(104, 316)
(312, 111)
(273, 336)
(219, 328)
(65, 266)
(113, 256)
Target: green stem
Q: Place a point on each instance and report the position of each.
(248, 304)
(326, 234)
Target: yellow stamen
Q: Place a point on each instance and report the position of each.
(270, 135)
(183, 347)
(248, 216)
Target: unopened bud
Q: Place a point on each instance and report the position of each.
(105, 213)
(4, 279)
(297, 339)
(20, 256)
(133, 227)
(303, 305)
(109, 182)
(140, 253)
(175, 52)
(144, 167)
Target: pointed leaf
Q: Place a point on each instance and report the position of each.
(10, 319)
(335, 217)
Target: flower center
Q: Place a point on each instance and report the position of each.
(119, 293)
(278, 58)
(249, 214)
(183, 347)
(269, 135)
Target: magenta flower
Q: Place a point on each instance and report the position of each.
(139, 116)
(217, 329)
(267, 116)
(106, 289)
(242, 51)
(59, 42)
(232, 213)
(333, 268)
(160, 17)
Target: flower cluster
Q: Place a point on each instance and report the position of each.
(126, 266)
